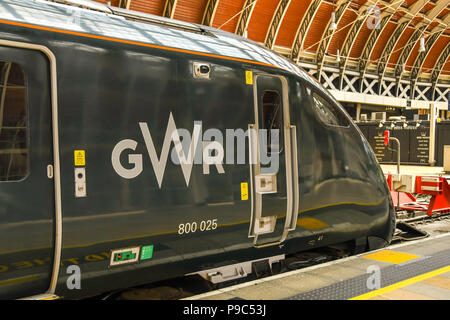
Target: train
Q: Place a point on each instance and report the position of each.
(136, 148)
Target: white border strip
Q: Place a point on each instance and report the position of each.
(56, 160)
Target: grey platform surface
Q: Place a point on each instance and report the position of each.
(347, 278)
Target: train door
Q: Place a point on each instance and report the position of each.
(274, 173)
(26, 185)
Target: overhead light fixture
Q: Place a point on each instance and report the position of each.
(403, 68)
(245, 33)
(338, 59)
(333, 25)
(422, 45)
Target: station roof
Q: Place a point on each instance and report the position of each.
(378, 37)
(157, 33)
(300, 29)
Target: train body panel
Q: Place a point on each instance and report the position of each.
(119, 102)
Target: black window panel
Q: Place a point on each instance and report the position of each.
(327, 112)
(13, 123)
(272, 119)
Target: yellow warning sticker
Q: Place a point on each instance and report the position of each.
(244, 191)
(248, 77)
(80, 157)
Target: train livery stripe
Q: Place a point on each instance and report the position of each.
(18, 280)
(142, 44)
(402, 284)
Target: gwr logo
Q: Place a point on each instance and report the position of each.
(212, 152)
(178, 154)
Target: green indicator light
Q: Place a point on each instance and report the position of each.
(146, 252)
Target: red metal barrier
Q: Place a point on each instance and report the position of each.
(435, 186)
(405, 197)
(440, 201)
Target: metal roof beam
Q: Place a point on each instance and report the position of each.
(374, 35)
(407, 50)
(415, 71)
(304, 28)
(421, 57)
(169, 8)
(244, 19)
(125, 4)
(342, 6)
(210, 11)
(437, 69)
(433, 13)
(396, 35)
(363, 14)
(276, 23)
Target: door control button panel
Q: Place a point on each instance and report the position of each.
(266, 183)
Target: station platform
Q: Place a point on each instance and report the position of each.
(416, 270)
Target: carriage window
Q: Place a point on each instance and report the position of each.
(328, 113)
(272, 119)
(13, 123)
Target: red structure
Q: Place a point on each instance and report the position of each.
(435, 186)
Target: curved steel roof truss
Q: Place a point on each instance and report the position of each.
(342, 5)
(169, 8)
(210, 11)
(437, 69)
(406, 53)
(394, 41)
(396, 35)
(363, 14)
(420, 59)
(374, 36)
(276, 23)
(244, 19)
(303, 29)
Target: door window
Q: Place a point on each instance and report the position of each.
(272, 120)
(327, 112)
(13, 123)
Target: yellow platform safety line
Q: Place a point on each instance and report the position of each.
(391, 256)
(402, 284)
